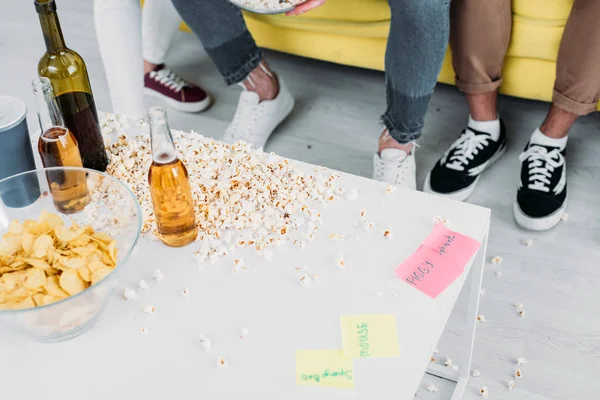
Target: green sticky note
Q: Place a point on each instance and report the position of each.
(366, 336)
(324, 368)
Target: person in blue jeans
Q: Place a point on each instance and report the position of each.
(416, 47)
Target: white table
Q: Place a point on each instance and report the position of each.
(114, 360)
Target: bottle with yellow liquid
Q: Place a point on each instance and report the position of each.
(169, 185)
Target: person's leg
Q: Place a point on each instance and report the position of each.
(479, 38)
(118, 29)
(542, 195)
(415, 51)
(160, 23)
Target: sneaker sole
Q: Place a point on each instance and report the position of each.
(178, 105)
(286, 108)
(463, 194)
(538, 224)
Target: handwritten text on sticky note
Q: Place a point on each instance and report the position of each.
(438, 261)
(324, 368)
(365, 336)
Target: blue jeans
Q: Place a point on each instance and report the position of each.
(416, 46)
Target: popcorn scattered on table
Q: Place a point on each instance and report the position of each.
(206, 343)
(302, 267)
(185, 292)
(128, 294)
(522, 313)
(454, 367)
(306, 280)
(476, 373)
(432, 360)
(448, 362)
(143, 331)
(339, 262)
(149, 310)
(484, 392)
(431, 388)
(518, 373)
(244, 333)
(522, 361)
(499, 274)
(436, 350)
(369, 225)
(234, 188)
(440, 220)
(316, 278)
(481, 318)
(222, 363)
(519, 306)
(511, 385)
(565, 217)
(158, 276)
(390, 189)
(497, 260)
(363, 213)
(527, 242)
(238, 264)
(142, 284)
(337, 237)
(388, 234)
(352, 195)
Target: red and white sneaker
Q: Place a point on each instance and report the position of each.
(164, 84)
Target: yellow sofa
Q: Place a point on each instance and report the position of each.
(354, 32)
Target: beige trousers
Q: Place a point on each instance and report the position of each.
(480, 34)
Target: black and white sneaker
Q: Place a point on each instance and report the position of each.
(542, 196)
(456, 174)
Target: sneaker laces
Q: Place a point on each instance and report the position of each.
(541, 165)
(168, 78)
(391, 170)
(466, 147)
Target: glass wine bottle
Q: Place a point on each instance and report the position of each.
(169, 185)
(68, 74)
(58, 148)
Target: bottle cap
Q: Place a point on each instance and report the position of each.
(12, 112)
(45, 6)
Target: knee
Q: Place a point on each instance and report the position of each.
(418, 11)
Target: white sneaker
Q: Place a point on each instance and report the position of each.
(396, 167)
(255, 120)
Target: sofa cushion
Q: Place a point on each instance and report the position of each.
(543, 9)
(351, 11)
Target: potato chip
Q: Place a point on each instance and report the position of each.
(100, 274)
(95, 256)
(27, 242)
(12, 280)
(71, 282)
(41, 245)
(10, 245)
(73, 262)
(52, 220)
(38, 263)
(38, 299)
(53, 287)
(85, 251)
(80, 240)
(36, 228)
(15, 228)
(103, 237)
(34, 278)
(85, 273)
(65, 234)
(18, 294)
(25, 303)
(49, 299)
(95, 265)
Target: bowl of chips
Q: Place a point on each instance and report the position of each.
(65, 236)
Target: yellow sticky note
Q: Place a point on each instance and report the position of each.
(324, 368)
(365, 336)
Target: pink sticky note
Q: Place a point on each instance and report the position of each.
(438, 261)
(450, 244)
(429, 272)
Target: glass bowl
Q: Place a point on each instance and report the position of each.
(240, 4)
(109, 207)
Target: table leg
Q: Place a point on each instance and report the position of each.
(468, 340)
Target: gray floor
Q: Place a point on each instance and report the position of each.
(336, 124)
